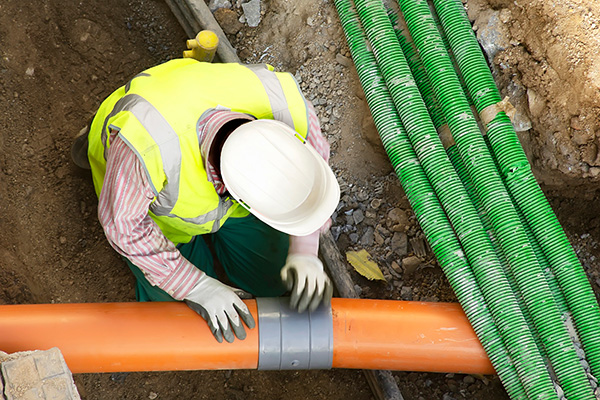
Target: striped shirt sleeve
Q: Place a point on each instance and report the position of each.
(315, 137)
(123, 213)
(310, 244)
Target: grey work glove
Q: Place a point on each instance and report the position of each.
(221, 308)
(303, 274)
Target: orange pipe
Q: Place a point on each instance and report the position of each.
(405, 336)
(117, 337)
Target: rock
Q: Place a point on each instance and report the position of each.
(382, 231)
(362, 195)
(580, 137)
(350, 201)
(61, 171)
(537, 104)
(419, 246)
(517, 95)
(252, 13)
(245, 54)
(492, 33)
(505, 15)
(336, 231)
(468, 379)
(397, 220)
(358, 216)
(370, 214)
(214, 5)
(410, 264)
(349, 219)
(152, 395)
(343, 60)
(380, 239)
(406, 293)
(228, 20)
(375, 204)
(119, 377)
(397, 267)
(354, 237)
(400, 244)
(589, 153)
(368, 237)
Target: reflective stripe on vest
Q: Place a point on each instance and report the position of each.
(163, 134)
(274, 92)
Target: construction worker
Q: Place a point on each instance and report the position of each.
(210, 175)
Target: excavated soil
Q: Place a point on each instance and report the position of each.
(547, 62)
(59, 60)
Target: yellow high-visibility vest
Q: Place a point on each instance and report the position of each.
(157, 113)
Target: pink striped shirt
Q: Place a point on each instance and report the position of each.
(126, 196)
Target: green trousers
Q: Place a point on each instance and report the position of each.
(248, 254)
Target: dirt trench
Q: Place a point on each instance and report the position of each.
(59, 60)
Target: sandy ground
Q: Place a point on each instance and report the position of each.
(58, 61)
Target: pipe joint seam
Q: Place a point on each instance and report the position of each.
(289, 340)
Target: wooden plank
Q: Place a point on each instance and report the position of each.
(338, 273)
(182, 18)
(383, 385)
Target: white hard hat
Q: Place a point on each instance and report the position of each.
(278, 178)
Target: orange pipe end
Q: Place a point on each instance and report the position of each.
(405, 336)
(119, 337)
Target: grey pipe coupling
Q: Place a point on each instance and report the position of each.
(289, 340)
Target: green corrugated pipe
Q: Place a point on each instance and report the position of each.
(453, 196)
(494, 196)
(550, 278)
(521, 183)
(424, 85)
(418, 70)
(424, 202)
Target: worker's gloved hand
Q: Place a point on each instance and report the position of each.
(221, 308)
(304, 276)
